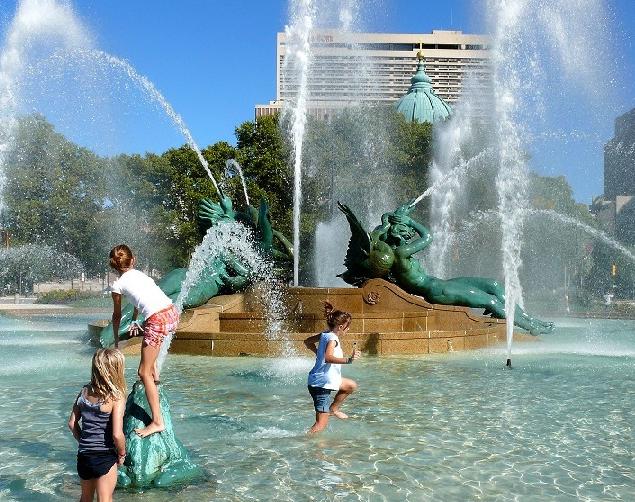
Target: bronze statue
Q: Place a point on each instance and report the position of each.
(388, 253)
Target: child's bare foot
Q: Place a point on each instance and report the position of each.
(339, 414)
(153, 428)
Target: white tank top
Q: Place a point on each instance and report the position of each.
(142, 292)
(327, 375)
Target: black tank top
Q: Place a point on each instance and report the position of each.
(96, 426)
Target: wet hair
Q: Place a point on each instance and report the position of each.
(121, 257)
(335, 317)
(107, 379)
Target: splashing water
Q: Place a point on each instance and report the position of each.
(35, 21)
(477, 217)
(598, 234)
(231, 166)
(151, 91)
(529, 38)
(225, 244)
(512, 178)
(298, 58)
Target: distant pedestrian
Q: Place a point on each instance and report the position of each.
(326, 375)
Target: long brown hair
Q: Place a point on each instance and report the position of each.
(107, 379)
(121, 257)
(335, 317)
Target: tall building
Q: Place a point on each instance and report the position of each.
(619, 158)
(388, 61)
(616, 208)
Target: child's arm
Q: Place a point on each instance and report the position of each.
(311, 343)
(119, 439)
(331, 359)
(116, 316)
(73, 422)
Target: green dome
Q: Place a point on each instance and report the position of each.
(420, 103)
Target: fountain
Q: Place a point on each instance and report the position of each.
(235, 304)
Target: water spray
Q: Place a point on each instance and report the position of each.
(458, 170)
(155, 95)
(230, 165)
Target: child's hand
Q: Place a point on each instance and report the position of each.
(356, 354)
(135, 329)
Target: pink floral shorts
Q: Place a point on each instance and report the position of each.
(159, 325)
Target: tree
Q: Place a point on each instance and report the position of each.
(53, 192)
(264, 156)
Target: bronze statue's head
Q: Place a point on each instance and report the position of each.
(381, 259)
(401, 232)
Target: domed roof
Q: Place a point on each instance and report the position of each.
(420, 103)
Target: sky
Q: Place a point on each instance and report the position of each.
(213, 61)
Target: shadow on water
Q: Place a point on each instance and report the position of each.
(30, 448)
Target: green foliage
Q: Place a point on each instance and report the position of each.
(53, 191)
(264, 156)
(66, 296)
(365, 157)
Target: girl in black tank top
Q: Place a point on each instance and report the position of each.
(96, 422)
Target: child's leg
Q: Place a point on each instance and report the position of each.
(106, 485)
(321, 421)
(149, 354)
(155, 374)
(347, 387)
(88, 489)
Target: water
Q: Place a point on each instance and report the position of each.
(298, 32)
(449, 427)
(230, 245)
(231, 168)
(95, 56)
(479, 216)
(34, 21)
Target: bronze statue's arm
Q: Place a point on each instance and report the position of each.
(264, 224)
(424, 240)
(288, 247)
(236, 266)
(381, 230)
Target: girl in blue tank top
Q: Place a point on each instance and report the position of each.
(326, 375)
(96, 422)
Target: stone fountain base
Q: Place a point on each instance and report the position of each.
(386, 321)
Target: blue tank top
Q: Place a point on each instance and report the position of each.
(96, 426)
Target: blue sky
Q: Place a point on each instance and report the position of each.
(214, 61)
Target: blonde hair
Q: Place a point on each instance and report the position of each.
(107, 379)
(121, 257)
(335, 317)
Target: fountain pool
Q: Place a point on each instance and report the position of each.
(457, 426)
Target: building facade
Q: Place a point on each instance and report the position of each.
(619, 158)
(354, 68)
(615, 210)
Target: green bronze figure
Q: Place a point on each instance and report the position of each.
(388, 253)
